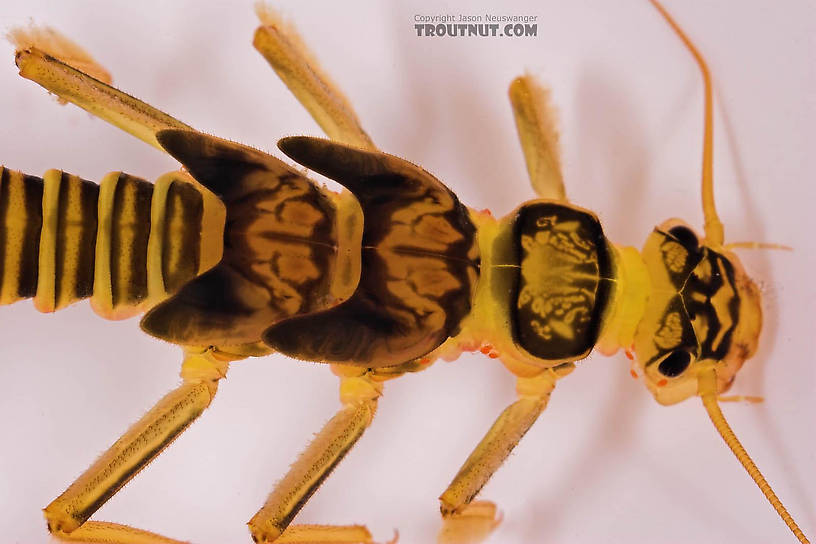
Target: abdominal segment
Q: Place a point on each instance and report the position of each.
(125, 243)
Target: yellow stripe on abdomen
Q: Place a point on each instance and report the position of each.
(174, 251)
(120, 279)
(125, 243)
(67, 240)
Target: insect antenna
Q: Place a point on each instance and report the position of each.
(712, 226)
(707, 384)
(707, 377)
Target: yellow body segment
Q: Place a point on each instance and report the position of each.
(45, 300)
(175, 251)
(632, 290)
(120, 286)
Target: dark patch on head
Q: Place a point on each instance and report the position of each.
(675, 364)
(686, 237)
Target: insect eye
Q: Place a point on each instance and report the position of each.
(685, 236)
(675, 364)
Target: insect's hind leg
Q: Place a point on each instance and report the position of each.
(465, 521)
(62, 67)
(103, 532)
(67, 515)
(359, 391)
(536, 126)
(282, 47)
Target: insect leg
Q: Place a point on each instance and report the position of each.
(358, 393)
(466, 521)
(325, 534)
(67, 515)
(282, 47)
(536, 126)
(755, 245)
(59, 73)
(103, 532)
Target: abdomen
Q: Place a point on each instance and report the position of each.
(126, 244)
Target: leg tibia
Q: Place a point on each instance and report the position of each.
(465, 521)
(54, 44)
(94, 96)
(491, 452)
(315, 464)
(139, 445)
(309, 471)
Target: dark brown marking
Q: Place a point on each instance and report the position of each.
(82, 226)
(707, 302)
(4, 207)
(562, 283)
(279, 246)
(181, 247)
(129, 234)
(63, 202)
(89, 198)
(30, 261)
(419, 263)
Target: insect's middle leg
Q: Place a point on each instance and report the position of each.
(359, 392)
(67, 515)
(465, 521)
(281, 46)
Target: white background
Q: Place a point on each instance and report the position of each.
(605, 463)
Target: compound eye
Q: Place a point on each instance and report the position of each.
(675, 364)
(685, 236)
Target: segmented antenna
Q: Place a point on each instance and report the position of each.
(707, 388)
(707, 378)
(713, 227)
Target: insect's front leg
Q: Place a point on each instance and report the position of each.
(465, 521)
(67, 515)
(538, 135)
(49, 63)
(359, 391)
